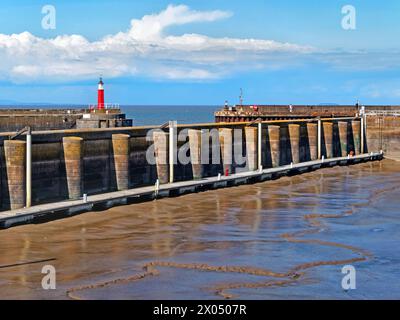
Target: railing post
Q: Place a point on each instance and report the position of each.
(319, 139)
(28, 168)
(362, 134)
(172, 148)
(259, 145)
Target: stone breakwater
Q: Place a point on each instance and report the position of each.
(66, 164)
(382, 121)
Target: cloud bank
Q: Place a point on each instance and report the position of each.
(147, 50)
(144, 50)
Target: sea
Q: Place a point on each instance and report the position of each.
(149, 114)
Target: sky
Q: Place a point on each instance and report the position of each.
(200, 52)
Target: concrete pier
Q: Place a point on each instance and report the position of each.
(251, 135)
(226, 143)
(356, 130)
(15, 157)
(294, 136)
(343, 132)
(274, 144)
(73, 150)
(195, 137)
(120, 160)
(312, 136)
(328, 137)
(106, 200)
(161, 147)
(68, 163)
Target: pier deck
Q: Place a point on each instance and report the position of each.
(52, 211)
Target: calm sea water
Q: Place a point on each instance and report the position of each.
(282, 239)
(155, 115)
(152, 115)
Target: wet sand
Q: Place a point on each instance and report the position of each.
(281, 239)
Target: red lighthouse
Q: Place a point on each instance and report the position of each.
(100, 95)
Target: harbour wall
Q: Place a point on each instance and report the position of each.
(61, 119)
(382, 121)
(69, 163)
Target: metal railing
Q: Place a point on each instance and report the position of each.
(383, 113)
(107, 106)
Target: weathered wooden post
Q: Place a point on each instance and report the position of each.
(294, 136)
(160, 139)
(319, 139)
(251, 147)
(356, 129)
(343, 125)
(73, 151)
(328, 137)
(226, 143)
(15, 156)
(195, 153)
(274, 143)
(313, 142)
(120, 170)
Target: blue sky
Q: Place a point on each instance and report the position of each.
(203, 53)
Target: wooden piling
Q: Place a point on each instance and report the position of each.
(161, 146)
(312, 135)
(73, 151)
(120, 167)
(319, 139)
(195, 153)
(356, 129)
(274, 143)
(294, 136)
(226, 143)
(328, 137)
(15, 156)
(251, 134)
(343, 125)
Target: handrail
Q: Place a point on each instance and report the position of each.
(106, 106)
(395, 113)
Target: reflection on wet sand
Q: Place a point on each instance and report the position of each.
(260, 235)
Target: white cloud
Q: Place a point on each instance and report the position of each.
(144, 50)
(151, 27)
